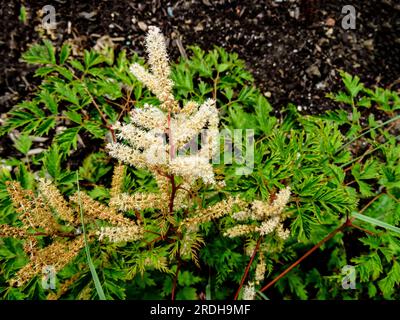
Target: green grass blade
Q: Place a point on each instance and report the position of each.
(368, 131)
(376, 222)
(95, 277)
(262, 295)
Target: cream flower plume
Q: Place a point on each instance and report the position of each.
(157, 138)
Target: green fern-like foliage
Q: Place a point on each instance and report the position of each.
(337, 165)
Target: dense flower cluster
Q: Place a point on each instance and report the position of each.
(41, 216)
(268, 216)
(249, 292)
(157, 137)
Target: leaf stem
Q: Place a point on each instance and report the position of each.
(176, 279)
(248, 268)
(319, 244)
(366, 132)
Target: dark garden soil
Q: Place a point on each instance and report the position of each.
(293, 47)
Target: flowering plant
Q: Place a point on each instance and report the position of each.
(151, 211)
(156, 138)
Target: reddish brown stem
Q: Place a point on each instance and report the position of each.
(371, 202)
(365, 230)
(247, 268)
(175, 279)
(102, 115)
(173, 193)
(126, 105)
(138, 216)
(170, 138)
(154, 240)
(347, 223)
(110, 128)
(59, 234)
(153, 232)
(319, 244)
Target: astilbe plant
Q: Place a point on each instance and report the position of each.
(157, 138)
(161, 139)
